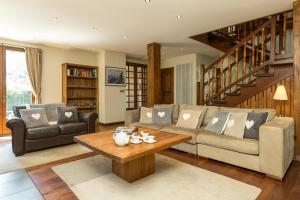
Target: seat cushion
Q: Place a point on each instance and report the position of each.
(42, 132)
(184, 131)
(248, 146)
(144, 125)
(72, 128)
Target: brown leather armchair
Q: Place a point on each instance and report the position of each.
(26, 140)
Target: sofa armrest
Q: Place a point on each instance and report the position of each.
(132, 116)
(90, 119)
(276, 146)
(18, 130)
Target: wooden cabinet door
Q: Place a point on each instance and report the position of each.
(167, 86)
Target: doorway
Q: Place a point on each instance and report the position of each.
(167, 86)
(14, 81)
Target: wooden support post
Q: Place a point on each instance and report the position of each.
(296, 30)
(273, 39)
(153, 74)
(202, 75)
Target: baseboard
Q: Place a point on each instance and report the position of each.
(111, 123)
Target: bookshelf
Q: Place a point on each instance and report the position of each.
(80, 86)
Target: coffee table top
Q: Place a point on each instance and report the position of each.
(103, 143)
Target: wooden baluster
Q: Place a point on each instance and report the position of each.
(221, 77)
(215, 80)
(257, 50)
(245, 30)
(208, 82)
(284, 33)
(273, 39)
(244, 59)
(238, 32)
(253, 53)
(202, 76)
(229, 71)
(236, 64)
(262, 59)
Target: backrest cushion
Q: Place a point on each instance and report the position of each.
(218, 122)
(271, 112)
(16, 110)
(236, 124)
(189, 119)
(209, 114)
(233, 109)
(146, 115)
(50, 110)
(201, 108)
(34, 117)
(175, 110)
(162, 115)
(254, 121)
(67, 114)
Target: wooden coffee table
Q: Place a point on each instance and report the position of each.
(133, 161)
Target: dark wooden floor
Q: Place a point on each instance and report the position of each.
(53, 188)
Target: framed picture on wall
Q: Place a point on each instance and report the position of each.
(115, 76)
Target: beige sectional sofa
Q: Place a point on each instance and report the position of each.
(271, 154)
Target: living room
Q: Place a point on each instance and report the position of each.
(147, 99)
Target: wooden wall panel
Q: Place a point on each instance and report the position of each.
(264, 99)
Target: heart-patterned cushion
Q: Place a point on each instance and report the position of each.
(252, 124)
(236, 124)
(189, 118)
(146, 115)
(67, 114)
(34, 117)
(218, 122)
(162, 115)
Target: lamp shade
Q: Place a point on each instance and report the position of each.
(280, 93)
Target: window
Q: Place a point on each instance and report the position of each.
(136, 85)
(18, 88)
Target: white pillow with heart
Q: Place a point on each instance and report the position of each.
(186, 116)
(189, 119)
(230, 123)
(149, 115)
(68, 114)
(36, 116)
(236, 124)
(249, 124)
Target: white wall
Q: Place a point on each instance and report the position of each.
(112, 104)
(53, 58)
(196, 60)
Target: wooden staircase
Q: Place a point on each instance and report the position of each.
(256, 61)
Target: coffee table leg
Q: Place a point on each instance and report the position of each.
(135, 169)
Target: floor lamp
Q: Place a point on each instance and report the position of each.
(280, 95)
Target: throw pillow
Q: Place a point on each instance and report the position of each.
(189, 119)
(67, 114)
(218, 122)
(175, 110)
(34, 117)
(271, 113)
(209, 114)
(201, 108)
(146, 115)
(236, 124)
(162, 115)
(50, 110)
(254, 121)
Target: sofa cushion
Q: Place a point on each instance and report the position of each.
(219, 122)
(248, 146)
(146, 115)
(189, 119)
(254, 121)
(236, 124)
(50, 110)
(233, 109)
(162, 115)
(271, 113)
(145, 125)
(67, 114)
(184, 131)
(203, 110)
(209, 114)
(72, 128)
(42, 132)
(34, 117)
(175, 110)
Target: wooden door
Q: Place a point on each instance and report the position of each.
(2, 89)
(167, 86)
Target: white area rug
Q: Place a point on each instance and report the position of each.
(9, 162)
(91, 178)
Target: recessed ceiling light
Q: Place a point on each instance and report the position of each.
(147, 1)
(95, 29)
(179, 16)
(124, 37)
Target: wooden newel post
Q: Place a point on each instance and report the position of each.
(202, 84)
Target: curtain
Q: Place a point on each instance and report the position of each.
(184, 84)
(34, 68)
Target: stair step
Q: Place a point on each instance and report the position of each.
(233, 94)
(247, 85)
(264, 74)
(218, 101)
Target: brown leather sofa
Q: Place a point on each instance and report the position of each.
(27, 140)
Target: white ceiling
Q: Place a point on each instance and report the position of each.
(70, 23)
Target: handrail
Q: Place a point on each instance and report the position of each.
(230, 51)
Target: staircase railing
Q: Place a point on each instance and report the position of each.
(264, 46)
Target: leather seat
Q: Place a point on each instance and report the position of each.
(42, 132)
(72, 128)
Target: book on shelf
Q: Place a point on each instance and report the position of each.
(90, 73)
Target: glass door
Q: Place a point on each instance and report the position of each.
(16, 87)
